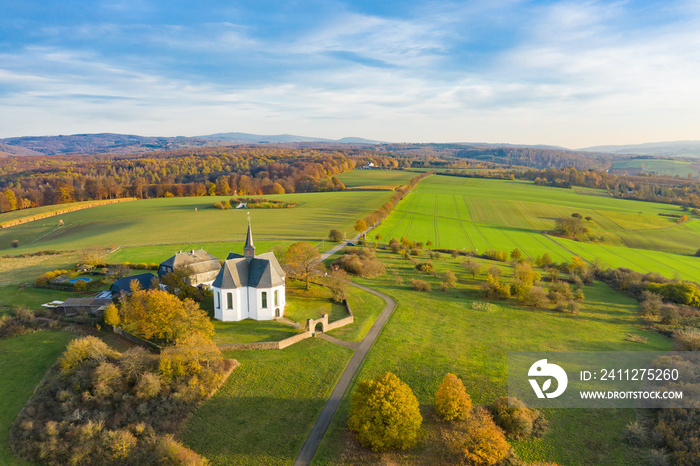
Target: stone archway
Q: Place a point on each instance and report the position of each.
(319, 327)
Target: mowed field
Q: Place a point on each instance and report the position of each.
(482, 214)
(193, 221)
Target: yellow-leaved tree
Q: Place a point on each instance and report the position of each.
(452, 400)
(384, 414)
(162, 316)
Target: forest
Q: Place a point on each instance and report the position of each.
(37, 181)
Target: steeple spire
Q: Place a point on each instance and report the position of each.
(249, 248)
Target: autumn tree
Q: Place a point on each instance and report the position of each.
(478, 441)
(162, 316)
(336, 235)
(452, 400)
(384, 414)
(302, 262)
(360, 226)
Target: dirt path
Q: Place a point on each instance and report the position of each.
(324, 419)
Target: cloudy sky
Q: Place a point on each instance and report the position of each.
(571, 73)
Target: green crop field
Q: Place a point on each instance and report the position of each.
(659, 166)
(482, 214)
(23, 362)
(431, 334)
(192, 220)
(375, 179)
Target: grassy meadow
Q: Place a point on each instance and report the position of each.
(265, 410)
(483, 214)
(23, 362)
(433, 333)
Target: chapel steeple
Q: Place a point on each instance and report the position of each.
(249, 248)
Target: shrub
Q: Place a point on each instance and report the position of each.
(449, 280)
(669, 315)
(148, 386)
(478, 441)
(452, 400)
(107, 379)
(496, 255)
(472, 267)
(420, 285)
(534, 296)
(687, 339)
(84, 349)
(650, 304)
(493, 289)
(516, 255)
(14, 243)
(635, 433)
(360, 262)
(516, 419)
(384, 414)
(336, 235)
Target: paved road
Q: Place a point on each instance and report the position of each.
(324, 419)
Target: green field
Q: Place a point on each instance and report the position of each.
(483, 214)
(175, 221)
(23, 362)
(375, 179)
(659, 166)
(265, 410)
(431, 334)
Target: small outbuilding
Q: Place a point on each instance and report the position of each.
(74, 306)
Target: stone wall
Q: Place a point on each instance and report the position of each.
(272, 345)
(139, 341)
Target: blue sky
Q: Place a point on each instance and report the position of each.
(572, 73)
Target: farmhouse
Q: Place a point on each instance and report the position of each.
(203, 265)
(249, 286)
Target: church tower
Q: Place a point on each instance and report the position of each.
(249, 248)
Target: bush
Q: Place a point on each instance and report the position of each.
(384, 414)
(360, 262)
(635, 434)
(650, 304)
(420, 285)
(452, 400)
(336, 235)
(449, 280)
(84, 349)
(535, 296)
(496, 255)
(14, 243)
(472, 267)
(478, 441)
(669, 315)
(493, 289)
(687, 339)
(425, 267)
(516, 419)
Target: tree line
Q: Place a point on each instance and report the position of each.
(37, 181)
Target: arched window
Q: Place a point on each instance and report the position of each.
(229, 297)
(277, 298)
(264, 300)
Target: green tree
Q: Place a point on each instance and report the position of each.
(516, 255)
(384, 414)
(452, 400)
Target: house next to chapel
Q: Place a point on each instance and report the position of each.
(203, 265)
(249, 286)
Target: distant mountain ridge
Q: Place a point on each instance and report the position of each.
(658, 149)
(101, 143)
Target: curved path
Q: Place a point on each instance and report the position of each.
(324, 419)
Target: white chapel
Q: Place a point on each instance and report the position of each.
(249, 286)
